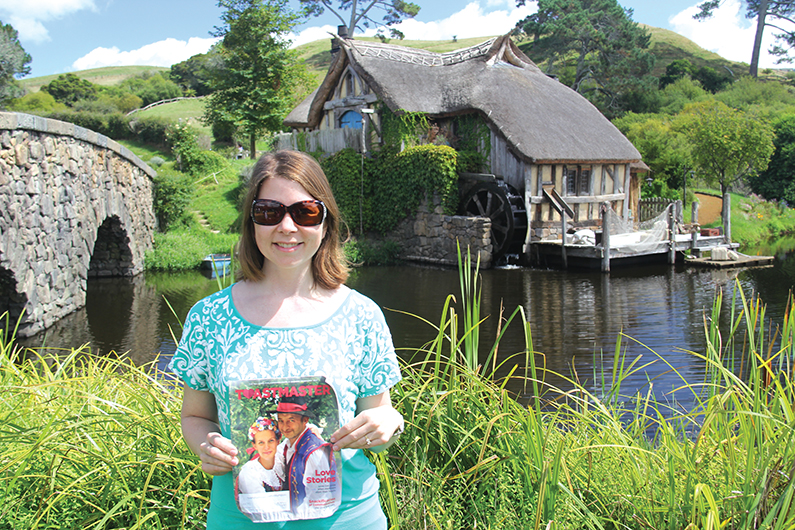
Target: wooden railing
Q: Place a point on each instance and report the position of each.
(651, 208)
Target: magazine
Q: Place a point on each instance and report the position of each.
(288, 469)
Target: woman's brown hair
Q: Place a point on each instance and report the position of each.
(329, 268)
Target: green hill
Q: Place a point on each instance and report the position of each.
(666, 46)
(107, 76)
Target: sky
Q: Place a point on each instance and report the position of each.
(69, 35)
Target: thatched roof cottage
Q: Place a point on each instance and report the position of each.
(548, 142)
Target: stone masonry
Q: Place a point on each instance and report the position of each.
(73, 204)
(432, 237)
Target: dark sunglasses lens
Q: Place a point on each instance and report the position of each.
(267, 213)
(307, 213)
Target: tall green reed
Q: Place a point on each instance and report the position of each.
(474, 456)
(89, 442)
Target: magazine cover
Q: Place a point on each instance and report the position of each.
(281, 428)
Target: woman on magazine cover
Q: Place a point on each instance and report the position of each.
(288, 315)
(265, 472)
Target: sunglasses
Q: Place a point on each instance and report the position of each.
(305, 213)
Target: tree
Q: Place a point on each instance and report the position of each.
(664, 149)
(767, 13)
(709, 78)
(595, 48)
(261, 77)
(727, 145)
(778, 180)
(193, 75)
(14, 63)
(68, 89)
(360, 13)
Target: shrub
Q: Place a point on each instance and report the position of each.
(172, 195)
(150, 130)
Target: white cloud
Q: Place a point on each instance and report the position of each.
(162, 53)
(28, 16)
(727, 33)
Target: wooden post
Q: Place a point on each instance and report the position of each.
(605, 237)
(671, 232)
(694, 213)
(563, 240)
(694, 251)
(727, 222)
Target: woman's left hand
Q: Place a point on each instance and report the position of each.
(375, 425)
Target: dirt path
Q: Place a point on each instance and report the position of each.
(709, 208)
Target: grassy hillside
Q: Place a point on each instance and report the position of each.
(668, 46)
(665, 44)
(187, 110)
(109, 75)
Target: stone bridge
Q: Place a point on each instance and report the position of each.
(74, 204)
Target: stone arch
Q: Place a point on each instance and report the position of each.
(67, 196)
(11, 300)
(112, 255)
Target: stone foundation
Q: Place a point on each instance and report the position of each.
(433, 237)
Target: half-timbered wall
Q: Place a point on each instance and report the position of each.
(583, 186)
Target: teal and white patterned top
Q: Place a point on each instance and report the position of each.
(352, 348)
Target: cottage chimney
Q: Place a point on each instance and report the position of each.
(342, 31)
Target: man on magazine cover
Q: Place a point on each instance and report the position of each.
(311, 471)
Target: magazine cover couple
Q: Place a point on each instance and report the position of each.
(293, 472)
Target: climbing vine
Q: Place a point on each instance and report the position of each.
(473, 142)
(404, 130)
(393, 184)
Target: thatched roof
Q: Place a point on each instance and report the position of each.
(541, 119)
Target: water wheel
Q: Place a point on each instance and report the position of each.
(505, 207)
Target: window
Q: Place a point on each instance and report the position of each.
(578, 180)
(351, 120)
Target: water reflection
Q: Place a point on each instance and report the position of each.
(575, 317)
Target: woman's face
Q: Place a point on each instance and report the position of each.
(265, 443)
(287, 245)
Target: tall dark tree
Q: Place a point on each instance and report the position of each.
(261, 77)
(768, 13)
(14, 63)
(594, 46)
(361, 13)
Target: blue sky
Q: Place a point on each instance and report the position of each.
(68, 35)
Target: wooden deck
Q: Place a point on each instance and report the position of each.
(741, 261)
(552, 254)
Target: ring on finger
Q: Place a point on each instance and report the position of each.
(367, 441)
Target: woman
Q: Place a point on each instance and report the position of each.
(290, 315)
(264, 472)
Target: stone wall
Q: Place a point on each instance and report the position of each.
(433, 237)
(73, 204)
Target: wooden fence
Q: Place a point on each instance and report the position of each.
(651, 208)
(326, 140)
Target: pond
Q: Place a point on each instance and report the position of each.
(575, 317)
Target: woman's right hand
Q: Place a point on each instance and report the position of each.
(217, 454)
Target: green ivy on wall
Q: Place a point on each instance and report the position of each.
(473, 142)
(393, 184)
(404, 130)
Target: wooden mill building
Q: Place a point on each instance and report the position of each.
(548, 143)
